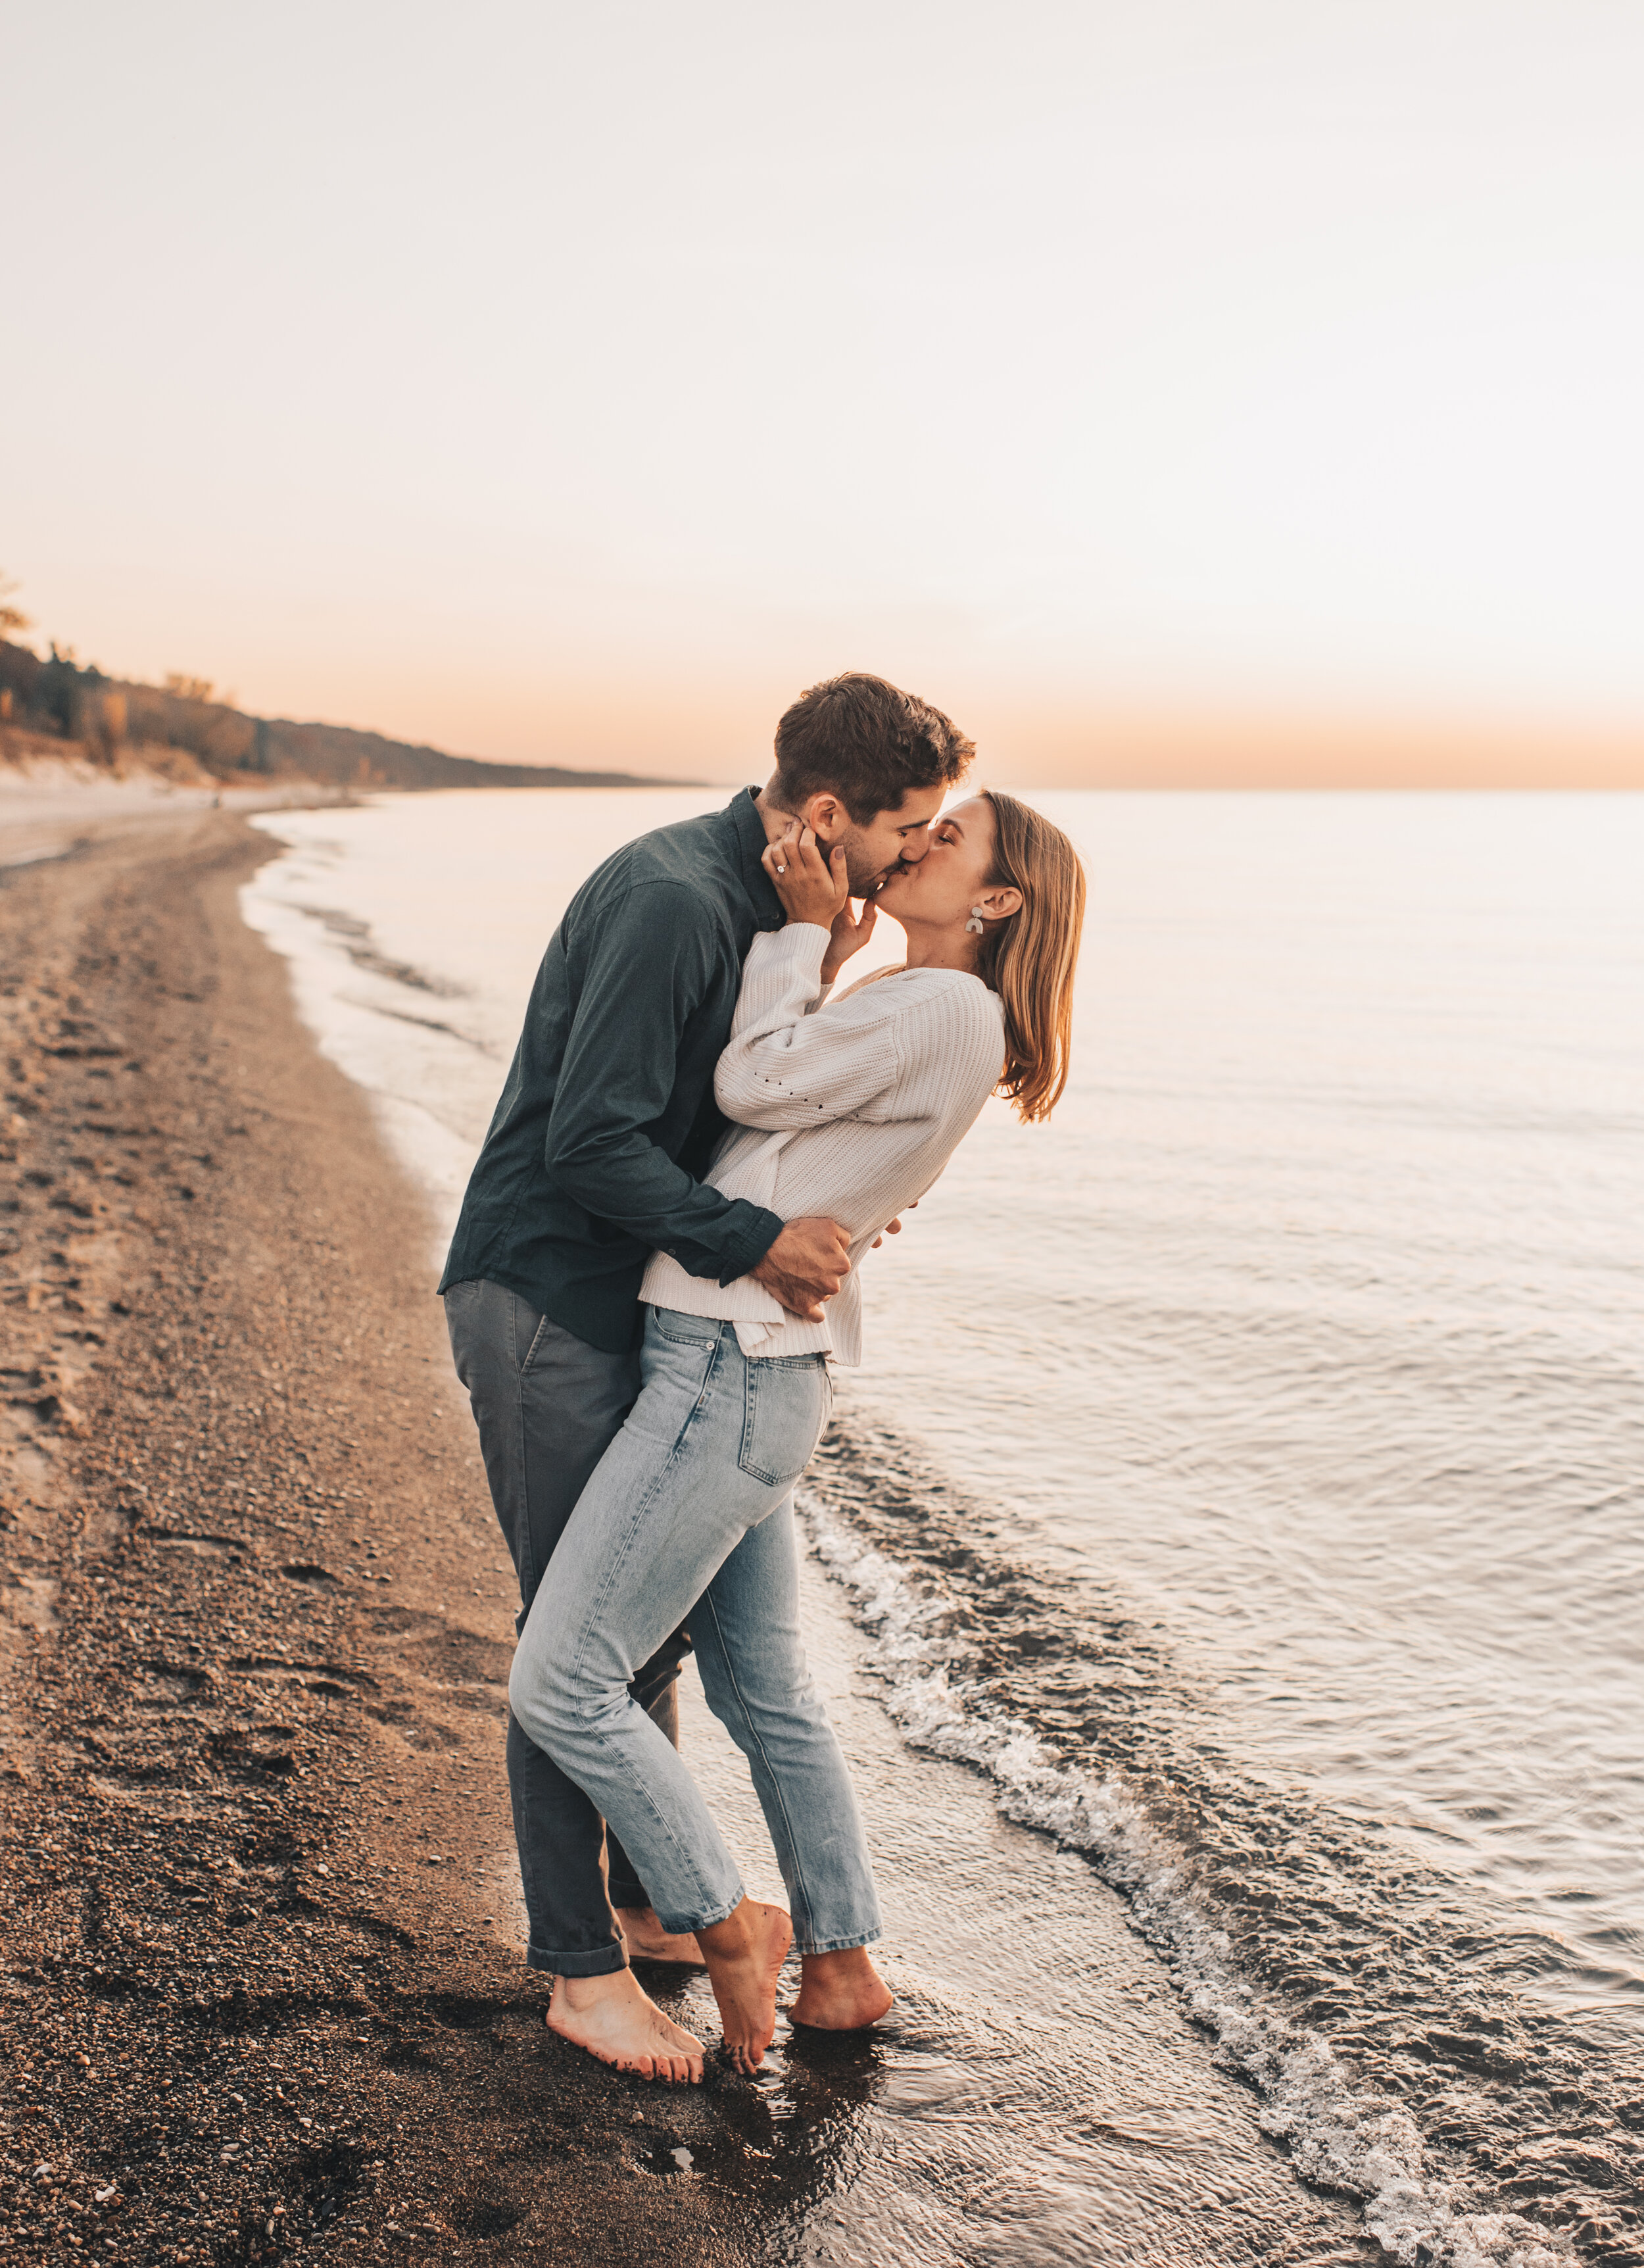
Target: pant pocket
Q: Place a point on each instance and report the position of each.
(785, 1406)
(679, 1375)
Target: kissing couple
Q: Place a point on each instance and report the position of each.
(655, 1265)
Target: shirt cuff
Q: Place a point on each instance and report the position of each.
(745, 1251)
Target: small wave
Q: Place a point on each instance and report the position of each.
(354, 936)
(1373, 2011)
(422, 1023)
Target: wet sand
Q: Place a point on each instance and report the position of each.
(262, 1991)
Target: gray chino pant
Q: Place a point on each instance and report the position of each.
(547, 1407)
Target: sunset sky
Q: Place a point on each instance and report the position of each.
(1223, 389)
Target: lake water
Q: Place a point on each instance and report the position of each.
(1246, 1469)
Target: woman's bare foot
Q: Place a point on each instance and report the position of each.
(744, 1954)
(839, 1991)
(619, 2023)
(649, 1941)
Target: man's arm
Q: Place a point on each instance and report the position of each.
(648, 968)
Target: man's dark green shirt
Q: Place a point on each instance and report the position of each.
(596, 1151)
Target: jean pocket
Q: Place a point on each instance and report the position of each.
(678, 1369)
(785, 1406)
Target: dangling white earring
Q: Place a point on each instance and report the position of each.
(973, 927)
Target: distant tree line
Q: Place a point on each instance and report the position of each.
(108, 717)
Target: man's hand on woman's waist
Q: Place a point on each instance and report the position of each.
(807, 1265)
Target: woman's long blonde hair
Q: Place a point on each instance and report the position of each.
(1030, 957)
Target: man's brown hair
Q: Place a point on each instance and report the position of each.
(866, 742)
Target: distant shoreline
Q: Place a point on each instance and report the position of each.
(56, 707)
(54, 797)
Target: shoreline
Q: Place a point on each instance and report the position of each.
(53, 796)
(264, 1994)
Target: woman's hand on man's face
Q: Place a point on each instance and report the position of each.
(814, 885)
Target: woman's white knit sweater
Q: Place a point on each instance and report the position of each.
(849, 1109)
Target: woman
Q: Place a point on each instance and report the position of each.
(848, 1108)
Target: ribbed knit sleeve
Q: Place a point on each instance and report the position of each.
(845, 1111)
(784, 1067)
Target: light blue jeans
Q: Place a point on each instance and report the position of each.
(689, 1518)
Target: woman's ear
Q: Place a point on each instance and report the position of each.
(998, 905)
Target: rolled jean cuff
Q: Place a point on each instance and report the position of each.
(604, 1960)
(837, 1944)
(688, 1925)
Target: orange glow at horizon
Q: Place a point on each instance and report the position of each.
(1178, 393)
(687, 729)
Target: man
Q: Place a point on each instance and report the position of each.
(591, 1162)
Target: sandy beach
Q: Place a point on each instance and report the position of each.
(1151, 492)
(263, 1989)
(252, 1688)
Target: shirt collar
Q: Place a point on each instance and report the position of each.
(750, 841)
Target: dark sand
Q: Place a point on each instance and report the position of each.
(262, 1991)
(257, 1998)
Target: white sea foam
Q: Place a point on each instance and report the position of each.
(414, 1058)
(1338, 2135)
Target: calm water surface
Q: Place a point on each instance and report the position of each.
(1305, 1341)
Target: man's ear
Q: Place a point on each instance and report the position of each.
(825, 815)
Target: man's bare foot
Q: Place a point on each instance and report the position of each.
(649, 1941)
(744, 1954)
(615, 2020)
(839, 1991)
